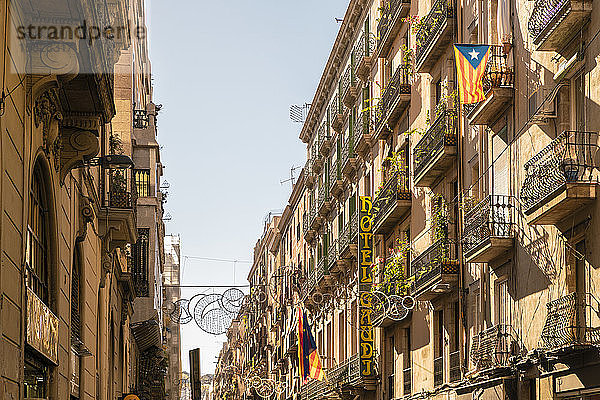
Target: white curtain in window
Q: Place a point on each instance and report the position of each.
(503, 21)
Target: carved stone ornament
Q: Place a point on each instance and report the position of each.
(47, 113)
(86, 211)
(74, 147)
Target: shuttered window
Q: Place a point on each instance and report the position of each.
(140, 263)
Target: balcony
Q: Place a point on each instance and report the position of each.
(336, 184)
(348, 240)
(362, 132)
(316, 158)
(571, 325)
(309, 284)
(438, 371)
(324, 204)
(392, 202)
(407, 384)
(349, 86)
(309, 179)
(492, 348)
(349, 161)
(561, 178)
(140, 119)
(118, 215)
(434, 34)
(364, 55)
(314, 390)
(345, 377)
(333, 255)
(498, 80)
(455, 366)
(436, 150)
(434, 271)
(336, 113)
(390, 24)
(554, 22)
(394, 100)
(322, 271)
(325, 139)
(489, 229)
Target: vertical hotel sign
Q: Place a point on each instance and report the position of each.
(42, 327)
(365, 306)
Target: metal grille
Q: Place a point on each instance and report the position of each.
(322, 268)
(365, 47)
(334, 174)
(388, 18)
(348, 149)
(566, 323)
(570, 158)
(395, 189)
(407, 375)
(454, 366)
(546, 13)
(431, 26)
(441, 133)
(438, 371)
(398, 85)
(493, 216)
(140, 119)
(491, 348)
(140, 263)
(433, 262)
(333, 254)
(348, 79)
(349, 233)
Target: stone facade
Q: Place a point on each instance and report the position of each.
(483, 215)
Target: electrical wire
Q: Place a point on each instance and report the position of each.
(216, 259)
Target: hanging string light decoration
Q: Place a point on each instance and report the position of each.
(213, 313)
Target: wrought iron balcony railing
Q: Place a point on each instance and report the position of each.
(349, 234)
(347, 152)
(333, 254)
(314, 390)
(490, 218)
(140, 119)
(348, 84)
(552, 22)
(454, 366)
(492, 347)
(324, 136)
(388, 107)
(395, 189)
(364, 49)
(391, 15)
(407, 384)
(323, 195)
(432, 27)
(570, 158)
(121, 189)
(335, 174)
(438, 371)
(322, 268)
(439, 259)
(497, 71)
(336, 112)
(441, 134)
(571, 323)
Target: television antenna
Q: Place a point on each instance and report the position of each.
(292, 178)
(298, 113)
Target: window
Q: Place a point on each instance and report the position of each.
(390, 356)
(438, 92)
(142, 182)
(503, 303)
(38, 275)
(140, 263)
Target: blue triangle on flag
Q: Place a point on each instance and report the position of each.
(473, 52)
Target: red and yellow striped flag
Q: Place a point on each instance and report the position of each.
(310, 363)
(471, 60)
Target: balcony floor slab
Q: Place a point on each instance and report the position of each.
(490, 249)
(490, 109)
(565, 203)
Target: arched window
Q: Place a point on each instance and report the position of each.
(38, 271)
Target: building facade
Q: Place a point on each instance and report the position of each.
(483, 215)
(70, 200)
(172, 293)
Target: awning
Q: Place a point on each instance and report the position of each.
(147, 334)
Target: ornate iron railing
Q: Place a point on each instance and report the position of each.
(492, 347)
(314, 390)
(407, 376)
(322, 268)
(441, 133)
(140, 119)
(438, 259)
(454, 366)
(396, 188)
(544, 14)
(349, 233)
(121, 188)
(333, 253)
(398, 85)
(335, 174)
(438, 371)
(493, 216)
(323, 194)
(348, 79)
(388, 18)
(323, 134)
(497, 71)
(569, 322)
(431, 26)
(570, 158)
(348, 150)
(335, 107)
(365, 47)
(361, 125)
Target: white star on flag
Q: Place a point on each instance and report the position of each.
(474, 54)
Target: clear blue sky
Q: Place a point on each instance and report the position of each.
(226, 73)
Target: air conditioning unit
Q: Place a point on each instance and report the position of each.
(542, 105)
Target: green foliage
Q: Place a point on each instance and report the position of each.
(115, 144)
(395, 279)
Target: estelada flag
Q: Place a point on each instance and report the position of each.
(471, 60)
(310, 363)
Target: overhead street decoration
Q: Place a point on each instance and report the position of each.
(212, 313)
